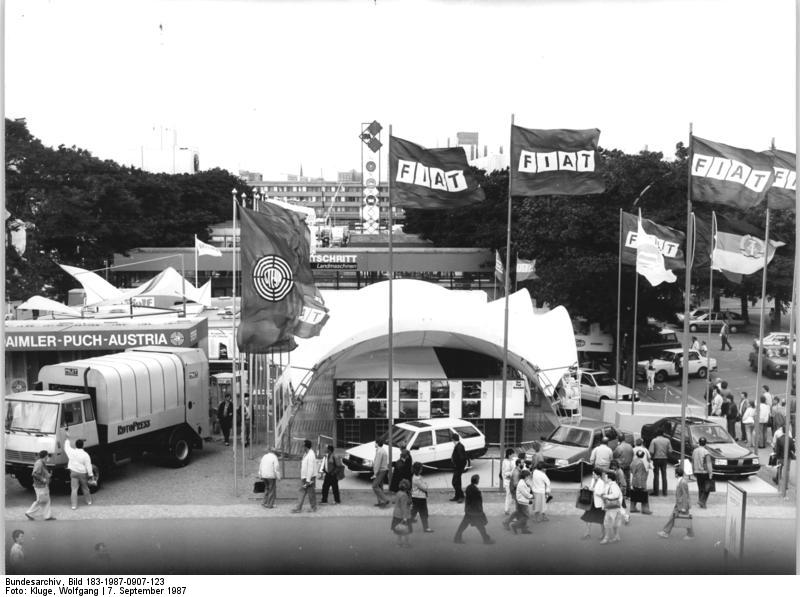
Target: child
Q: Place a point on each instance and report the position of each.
(402, 513)
(16, 556)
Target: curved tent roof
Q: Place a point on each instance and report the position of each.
(40, 303)
(542, 346)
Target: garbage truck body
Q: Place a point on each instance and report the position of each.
(151, 399)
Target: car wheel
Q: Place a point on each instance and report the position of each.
(603, 398)
(692, 328)
(702, 372)
(661, 376)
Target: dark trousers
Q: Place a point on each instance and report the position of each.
(420, 506)
(330, 482)
(725, 343)
(226, 425)
(732, 428)
(743, 430)
(457, 482)
(270, 486)
(660, 467)
(702, 487)
(469, 520)
(523, 515)
(627, 473)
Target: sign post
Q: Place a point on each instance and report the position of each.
(735, 509)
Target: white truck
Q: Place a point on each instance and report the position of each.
(151, 399)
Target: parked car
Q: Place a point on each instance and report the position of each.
(774, 339)
(774, 361)
(568, 448)
(730, 459)
(429, 441)
(664, 364)
(701, 320)
(654, 340)
(599, 385)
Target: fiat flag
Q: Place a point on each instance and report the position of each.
(279, 299)
(555, 162)
(436, 178)
(729, 175)
(782, 194)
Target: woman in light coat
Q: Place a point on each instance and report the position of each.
(596, 514)
(748, 420)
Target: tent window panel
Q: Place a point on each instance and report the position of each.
(470, 400)
(408, 390)
(440, 408)
(346, 389)
(376, 409)
(409, 409)
(440, 390)
(376, 389)
(345, 409)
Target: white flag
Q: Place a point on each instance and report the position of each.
(499, 270)
(206, 249)
(649, 259)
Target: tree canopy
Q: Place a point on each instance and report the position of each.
(575, 240)
(80, 210)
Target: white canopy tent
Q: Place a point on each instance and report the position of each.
(541, 346)
(40, 303)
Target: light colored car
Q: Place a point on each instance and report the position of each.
(599, 385)
(700, 320)
(429, 441)
(775, 339)
(664, 364)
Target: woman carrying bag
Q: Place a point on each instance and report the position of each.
(595, 515)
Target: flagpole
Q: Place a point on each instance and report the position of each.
(505, 319)
(619, 305)
(516, 274)
(757, 423)
(787, 416)
(183, 284)
(390, 385)
(710, 301)
(195, 261)
(635, 321)
(686, 295)
(234, 344)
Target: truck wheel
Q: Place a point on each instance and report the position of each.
(180, 449)
(24, 477)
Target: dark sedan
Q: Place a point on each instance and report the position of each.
(730, 459)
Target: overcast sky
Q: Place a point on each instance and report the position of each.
(269, 85)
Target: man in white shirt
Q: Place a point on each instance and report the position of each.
(308, 478)
(80, 470)
(380, 468)
(602, 455)
(269, 471)
(540, 483)
(508, 466)
(764, 409)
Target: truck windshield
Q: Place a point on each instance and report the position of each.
(34, 417)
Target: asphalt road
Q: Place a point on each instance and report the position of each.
(365, 545)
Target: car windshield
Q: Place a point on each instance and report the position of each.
(714, 434)
(603, 379)
(399, 436)
(571, 436)
(667, 356)
(35, 417)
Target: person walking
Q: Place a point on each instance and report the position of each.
(651, 374)
(763, 418)
(701, 466)
(516, 475)
(595, 515)
(536, 455)
(723, 335)
(270, 472)
(681, 508)
(524, 497)
(612, 517)
(459, 459)
(780, 446)
(402, 514)
(403, 469)
(332, 469)
(749, 421)
(506, 468)
(225, 418)
(623, 454)
(80, 470)
(380, 468)
(473, 513)
(308, 479)
(540, 484)
(245, 419)
(41, 485)
(695, 344)
(618, 476)
(659, 450)
(639, 470)
(419, 497)
(731, 416)
(703, 348)
(716, 404)
(743, 404)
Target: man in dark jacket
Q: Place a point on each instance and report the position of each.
(459, 459)
(473, 513)
(225, 418)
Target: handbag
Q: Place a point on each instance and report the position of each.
(610, 504)
(259, 486)
(773, 459)
(92, 482)
(585, 499)
(402, 528)
(711, 485)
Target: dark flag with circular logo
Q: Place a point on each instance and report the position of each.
(279, 299)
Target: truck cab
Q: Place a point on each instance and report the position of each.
(37, 420)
